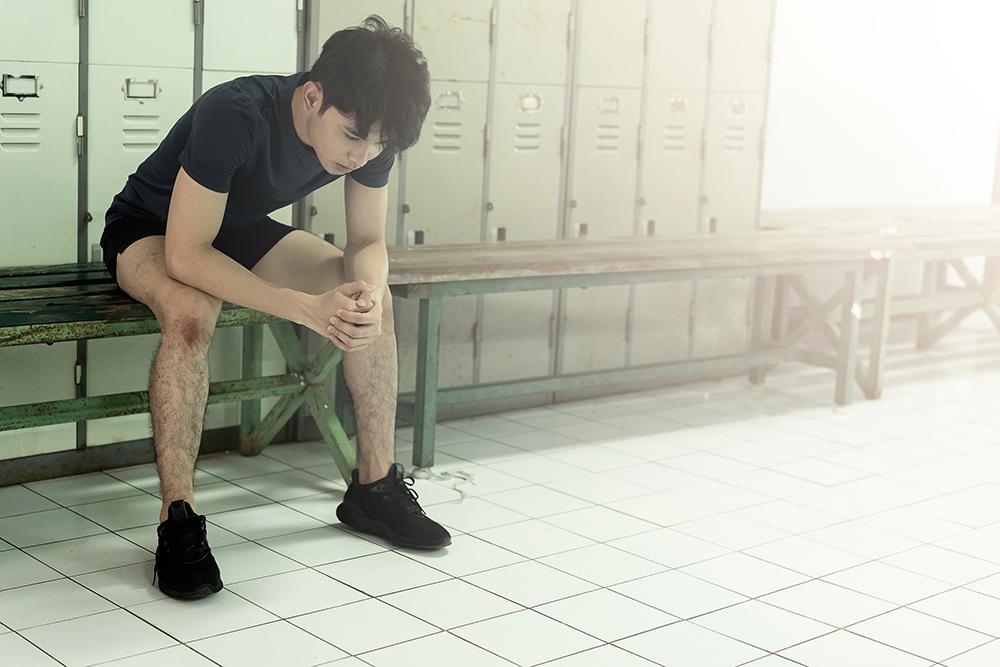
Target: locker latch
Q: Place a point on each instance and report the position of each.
(449, 100)
(20, 86)
(531, 103)
(138, 89)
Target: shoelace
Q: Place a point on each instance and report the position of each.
(186, 542)
(404, 491)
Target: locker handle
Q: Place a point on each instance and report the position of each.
(611, 104)
(415, 236)
(137, 89)
(498, 233)
(25, 85)
(531, 103)
(449, 100)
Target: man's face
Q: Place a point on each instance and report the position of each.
(338, 145)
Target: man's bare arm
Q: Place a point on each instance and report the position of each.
(365, 256)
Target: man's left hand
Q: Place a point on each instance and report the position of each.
(358, 327)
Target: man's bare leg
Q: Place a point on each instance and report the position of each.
(371, 376)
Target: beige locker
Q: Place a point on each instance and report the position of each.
(30, 374)
(602, 205)
(532, 41)
(611, 40)
(454, 36)
(329, 216)
(678, 44)
(148, 33)
(741, 45)
(38, 148)
(43, 32)
(257, 39)
(524, 205)
(334, 15)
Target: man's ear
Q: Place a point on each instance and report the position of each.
(313, 93)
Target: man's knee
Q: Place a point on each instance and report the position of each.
(189, 315)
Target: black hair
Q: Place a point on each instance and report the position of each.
(375, 72)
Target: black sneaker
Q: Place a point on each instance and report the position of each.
(184, 561)
(389, 508)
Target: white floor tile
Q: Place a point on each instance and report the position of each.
(679, 594)
(17, 650)
(78, 489)
(762, 625)
(505, 635)
(787, 516)
(300, 454)
(595, 458)
(884, 581)
(829, 603)
(474, 514)
(685, 643)
(175, 656)
(48, 602)
(730, 531)
(248, 560)
(598, 488)
(601, 657)
(845, 648)
(920, 634)
(600, 523)
(539, 469)
(233, 465)
(988, 654)
(452, 603)
(861, 538)
(19, 569)
(655, 476)
(287, 485)
(530, 583)
(950, 566)
(606, 615)
(807, 556)
(220, 497)
(466, 555)
(363, 626)
(966, 608)
(669, 547)
(278, 643)
(602, 565)
(295, 593)
(256, 523)
(18, 499)
(433, 651)
(536, 501)
(145, 477)
(217, 614)
(123, 513)
(321, 545)
(89, 554)
(745, 574)
(666, 508)
(382, 573)
(97, 638)
(533, 539)
(27, 530)
(125, 586)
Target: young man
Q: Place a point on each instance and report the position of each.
(190, 229)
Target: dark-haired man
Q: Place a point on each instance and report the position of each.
(190, 229)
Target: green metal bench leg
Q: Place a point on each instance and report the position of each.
(253, 354)
(343, 403)
(880, 333)
(848, 348)
(763, 304)
(340, 446)
(425, 408)
(279, 415)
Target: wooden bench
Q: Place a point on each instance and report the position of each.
(50, 304)
(431, 273)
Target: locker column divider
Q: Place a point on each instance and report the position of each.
(484, 235)
(199, 47)
(763, 122)
(83, 216)
(401, 209)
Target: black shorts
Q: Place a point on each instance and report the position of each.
(246, 243)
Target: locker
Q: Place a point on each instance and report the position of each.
(602, 205)
(661, 315)
(131, 110)
(263, 39)
(454, 36)
(150, 33)
(678, 44)
(532, 41)
(444, 181)
(524, 204)
(329, 216)
(30, 374)
(610, 47)
(334, 15)
(741, 45)
(46, 32)
(733, 154)
(38, 144)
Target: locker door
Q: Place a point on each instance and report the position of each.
(524, 193)
(455, 37)
(532, 41)
(741, 33)
(732, 176)
(38, 145)
(30, 374)
(678, 44)
(153, 33)
(602, 205)
(444, 184)
(258, 40)
(47, 32)
(612, 35)
(334, 15)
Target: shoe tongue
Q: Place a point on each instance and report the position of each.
(396, 471)
(179, 510)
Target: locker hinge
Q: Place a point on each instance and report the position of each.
(199, 12)
(406, 16)
(300, 16)
(493, 25)
(83, 9)
(79, 135)
(78, 371)
(570, 21)
(486, 140)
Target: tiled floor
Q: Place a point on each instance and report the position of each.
(709, 524)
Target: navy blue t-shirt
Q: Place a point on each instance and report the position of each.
(238, 138)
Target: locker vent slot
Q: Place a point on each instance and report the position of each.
(140, 132)
(447, 136)
(527, 137)
(673, 138)
(735, 139)
(608, 138)
(20, 132)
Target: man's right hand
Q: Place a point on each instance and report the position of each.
(320, 308)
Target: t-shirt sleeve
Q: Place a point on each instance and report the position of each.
(221, 139)
(375, 173)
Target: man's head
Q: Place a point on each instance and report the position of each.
(368, 91)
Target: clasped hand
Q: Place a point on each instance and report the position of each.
(350, 315)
